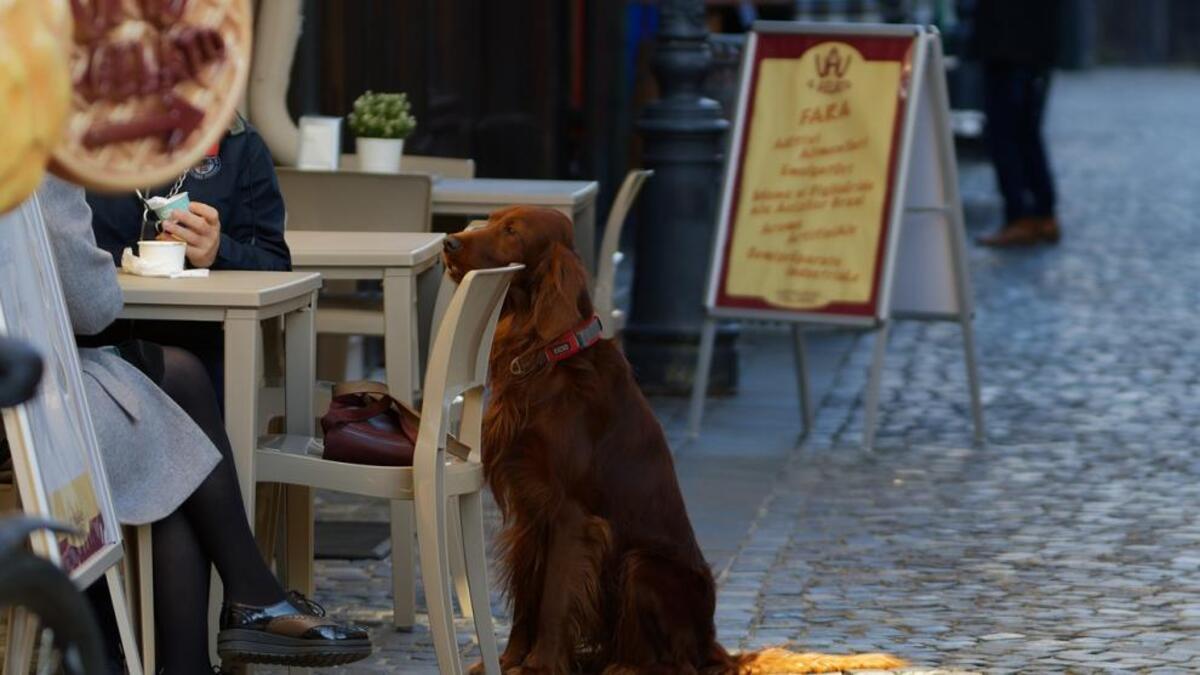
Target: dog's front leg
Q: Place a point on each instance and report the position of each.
(520, 637)
(523, 558)
(569, 612)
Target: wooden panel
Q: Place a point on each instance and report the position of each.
(486, 79)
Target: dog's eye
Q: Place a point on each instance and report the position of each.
(508, 229)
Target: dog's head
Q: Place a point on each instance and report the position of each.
(552, 289)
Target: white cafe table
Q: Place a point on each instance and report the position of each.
(481, 196)
(240, 301)
(397, 259)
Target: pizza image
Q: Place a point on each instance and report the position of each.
(155, 83)
(35, 91)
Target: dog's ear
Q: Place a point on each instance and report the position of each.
(560, 295)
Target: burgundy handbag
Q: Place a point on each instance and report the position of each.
(365, 425)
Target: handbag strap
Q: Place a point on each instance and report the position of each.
(360, 387)
(378, 401)
(347, 414)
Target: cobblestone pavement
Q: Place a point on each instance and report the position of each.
(1068, 542)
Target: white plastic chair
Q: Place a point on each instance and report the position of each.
(457, 368)
(612, 319)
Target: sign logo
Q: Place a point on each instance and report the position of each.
(831, 72)
(207, 168)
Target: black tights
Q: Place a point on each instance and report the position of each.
(208, 529)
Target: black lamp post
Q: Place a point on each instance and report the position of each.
(684, 134)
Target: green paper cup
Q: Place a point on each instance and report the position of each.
(164, 206)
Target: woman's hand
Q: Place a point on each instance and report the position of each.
(200, 228)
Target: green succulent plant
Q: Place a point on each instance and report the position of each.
(382, 116)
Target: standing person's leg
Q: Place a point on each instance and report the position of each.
(1003, 103)
(1034, 157)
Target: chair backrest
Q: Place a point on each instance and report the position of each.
(447, 286)
(458, 358)
(445, 294)
(447, 167)
(350, 201)
(606, 266)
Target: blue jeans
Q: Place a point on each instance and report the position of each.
(1014, 100)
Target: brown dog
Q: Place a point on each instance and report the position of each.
(599, 559)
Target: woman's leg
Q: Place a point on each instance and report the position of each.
(181, 574)
(259, 624)
(215, 511)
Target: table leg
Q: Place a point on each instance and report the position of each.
(243, 356)
(243, 349)
(429, 284)
(401, 347)
(584, 219)
(300, 358)
(300, 354)
(401, 343)
(298, 539)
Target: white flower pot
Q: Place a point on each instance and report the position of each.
(380, 155)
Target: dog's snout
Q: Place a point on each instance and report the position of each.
(451, 243)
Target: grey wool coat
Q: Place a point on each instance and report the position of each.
(154, 455)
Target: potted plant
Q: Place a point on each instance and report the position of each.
(380, 123)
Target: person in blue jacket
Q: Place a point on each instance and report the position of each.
(236, 218)
(235, 222)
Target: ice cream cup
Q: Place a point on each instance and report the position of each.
(163, 257)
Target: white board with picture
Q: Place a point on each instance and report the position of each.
(57, 464)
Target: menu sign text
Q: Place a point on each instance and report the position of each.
(808, 217)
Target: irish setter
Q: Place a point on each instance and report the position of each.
(599, 559)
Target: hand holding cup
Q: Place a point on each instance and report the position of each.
(199, 226)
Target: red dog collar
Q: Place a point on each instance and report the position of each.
(567, 345)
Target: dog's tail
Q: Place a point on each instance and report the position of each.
(776, 661)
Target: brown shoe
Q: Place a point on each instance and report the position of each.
(1020, 232)
(293, 632)
(1048, 229)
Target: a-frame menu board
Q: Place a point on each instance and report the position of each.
(840, 203)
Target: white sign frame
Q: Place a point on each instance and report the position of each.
(43, 322)
(924, 274)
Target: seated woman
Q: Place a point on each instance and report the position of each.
(168, 462)
(235, 222)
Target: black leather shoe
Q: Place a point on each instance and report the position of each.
(294, 632)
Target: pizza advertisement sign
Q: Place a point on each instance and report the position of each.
(808, 203)
(840, 203)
